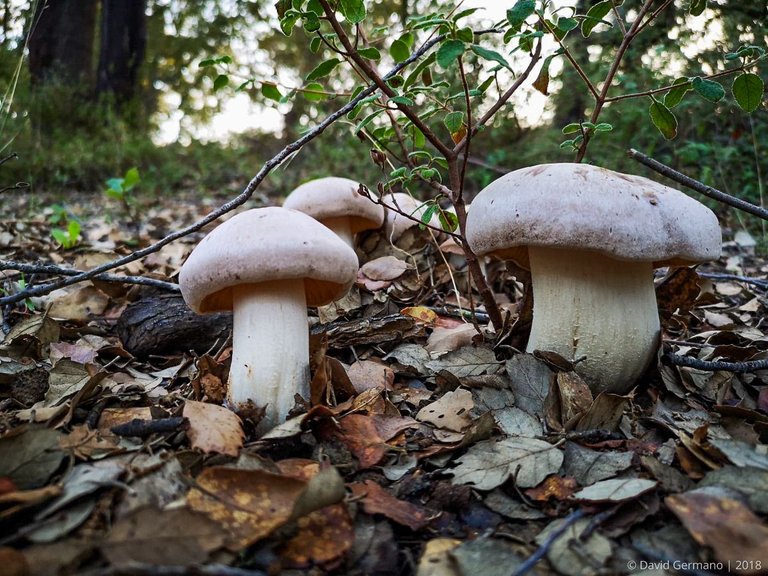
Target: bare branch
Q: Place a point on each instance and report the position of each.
(689, 182)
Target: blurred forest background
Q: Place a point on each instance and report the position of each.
(92, 88)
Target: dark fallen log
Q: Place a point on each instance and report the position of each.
(164, 324)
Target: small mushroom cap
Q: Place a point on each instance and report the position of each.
(584, 207)
(334, 197)
(263, 245)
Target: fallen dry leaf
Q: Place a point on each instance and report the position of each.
(213, 428)
(377, 500)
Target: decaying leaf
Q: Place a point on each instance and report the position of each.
(489, 464)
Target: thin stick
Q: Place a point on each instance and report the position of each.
(736, 278)
(53, 269)
(689, 182)
(542, 550)
(243, 197)
(715, 366)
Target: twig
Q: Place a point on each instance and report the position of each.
(747, 280)
(53, 269)
(708, 191)
(239, 200)
(145, 428)
(17, 186)
(11, 156)
(452, 312)
(714, 366)
(541, 551)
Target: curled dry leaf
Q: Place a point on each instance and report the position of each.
(377, 500)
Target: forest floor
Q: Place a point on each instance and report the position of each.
(430, 447)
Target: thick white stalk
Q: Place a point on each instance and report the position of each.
(270, 348)
(586, 305)
(341, 227)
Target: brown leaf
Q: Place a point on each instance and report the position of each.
(366, 374)
(678, 290)
(554, 487)
(377, 500)
(733, 531)
(213, 428)
(249, 504)
(170, 537)
(450, 412)
(385, 268)
(323, 538)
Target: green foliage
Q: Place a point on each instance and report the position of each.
(69, 237)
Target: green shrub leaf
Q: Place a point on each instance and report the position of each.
(449, 51)
(270, 91)
(220, 82)
(399, 51)
(676, 94)
(454, 121)
(353, 10)
(369, 53)
(595, 16)
(697, 7)
(492, 55)
(519, 12)
(748, 88)
(323, 69)
(708, 89)
(663, 119)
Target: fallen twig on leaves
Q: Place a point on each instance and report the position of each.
(542, 550)
(239, 200)
(145, 428)
(693, 184)
(53, 269)
(714, 366)
(754, 281)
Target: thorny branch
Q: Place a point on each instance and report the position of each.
(239, 200)
(693, 184)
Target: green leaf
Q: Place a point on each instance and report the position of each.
(594, 17)
(416, 74)
(448, 221)
(73, 230)
(519, 12)
(353, 10)
(676, 94)
(603, 127)
(370, 53)
(220, 82)
(288, 22)
(708, 89)
(367, 120)
(398, 172)
(314, 92)
(464, 14)
(270, 91)
(60, 236)
(131, 178)
(207, 62)
(311, 22)
(567, 24)
(404, 100)
(492, 55)
(454, 121)
(748, 88)
(115, 184)
(224, 59)
(399, 51)
(663, 119)
(465, 35)
(419, 140)
(448, 52)
(323, 69)
(571, 128)
(314, 44)
(429, 211)
(697, 7)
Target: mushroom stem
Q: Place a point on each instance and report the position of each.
(270, 348)
(589, 306)
(341, 227)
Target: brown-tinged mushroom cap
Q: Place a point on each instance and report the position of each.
(579, 206)
(332, 197)
(263, 245)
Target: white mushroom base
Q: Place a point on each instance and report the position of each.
(270, 348)
(586, 305)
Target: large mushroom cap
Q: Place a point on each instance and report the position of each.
(333, 197)
(263, 245)
(579, 206)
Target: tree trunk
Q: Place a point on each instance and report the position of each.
(123, 43)
(61, 42)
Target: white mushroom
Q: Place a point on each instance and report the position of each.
(337, 204)
(591, 238)
(267, 265)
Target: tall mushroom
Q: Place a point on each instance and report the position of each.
(267, 265)
(337, 204)
(591, 238)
